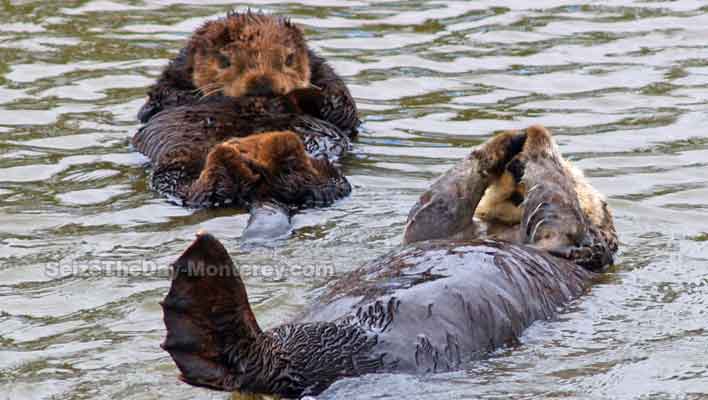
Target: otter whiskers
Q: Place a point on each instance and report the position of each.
(205, 87)
(209, 89)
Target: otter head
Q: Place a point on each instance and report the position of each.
(249, 54)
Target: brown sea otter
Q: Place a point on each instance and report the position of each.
(429, 307)
(242, 75)
(250, 54)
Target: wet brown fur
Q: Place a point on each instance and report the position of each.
(245, 157)
(562, 213)
(499, 203)
(271, 165)
(233, 55)
(501, 199)
(251, 54)
(539, 143)
(247, 70)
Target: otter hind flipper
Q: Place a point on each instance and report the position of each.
(230, 176)
(206, 313)
(293, 176)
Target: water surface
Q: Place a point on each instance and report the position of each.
(623, 84)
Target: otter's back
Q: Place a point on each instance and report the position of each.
(436, 305)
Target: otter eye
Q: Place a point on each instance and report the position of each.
(224, 61)
(290, 60)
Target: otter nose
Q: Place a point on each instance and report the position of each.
(261, 86)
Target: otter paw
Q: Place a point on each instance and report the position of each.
(211, 193)
(228, 177)
(590, 257)
(495, 153)
(573, 253)
(231, 160)
(539, 143)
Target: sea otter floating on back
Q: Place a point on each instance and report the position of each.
(247, 75)
(429, 307)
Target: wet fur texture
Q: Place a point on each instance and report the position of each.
(245, 74)
(558, 210)
(273, 166)
(526, 193)
(179, 141)
(443, 304)
(250, 54)
(563, 214)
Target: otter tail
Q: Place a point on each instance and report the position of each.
(206, 313)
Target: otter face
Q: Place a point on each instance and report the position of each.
(249, 54)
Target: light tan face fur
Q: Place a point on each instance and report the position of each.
(498, 205)
(250, 55)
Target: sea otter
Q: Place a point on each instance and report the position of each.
(471, 199)
(242, 75)
(431, 306)
(250, 54)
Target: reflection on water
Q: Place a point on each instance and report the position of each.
(623, 83)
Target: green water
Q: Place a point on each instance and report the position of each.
(623, 84)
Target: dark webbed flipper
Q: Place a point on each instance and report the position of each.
(213, 336)
(206, 313)
(448, 206)
(554, 218)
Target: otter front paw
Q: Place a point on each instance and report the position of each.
(498, 151)
(229, 177)
(540, 144)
